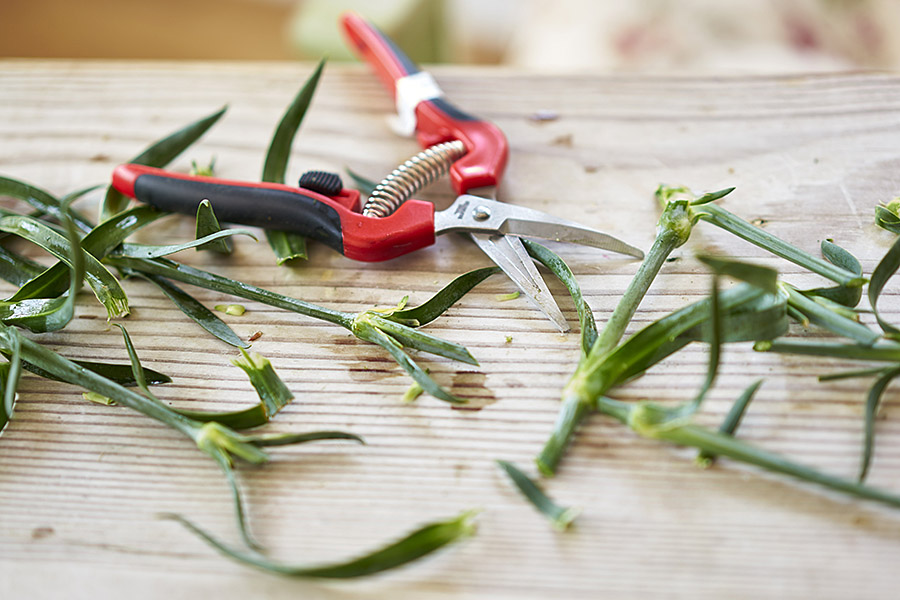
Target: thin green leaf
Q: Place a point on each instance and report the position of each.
(190, 275)
(732, 420)
(419, 543)
(159, 154)
(419, 340)
(117, 373)
(272, 391)
(102, 239)
(197, 312)
(829, 319)
(207, 224)
(764, 278)
(746, 311)
(712, 196)
(444, 299)
(365, 330)
(886, 268)
(650, 421)
(558, 267)
(105, 286)
(853, 374)
(53, 314)
(17, 269)
(882, 352)
(283, 439)
(42, 200)
(279, 151)
(285, 245)
(846, 296)
(873, 401)
(148, 251)
(759, 237)
(560, 517)
(886, 216)
(9, 382)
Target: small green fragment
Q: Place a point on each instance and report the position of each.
(506, 297)
(98, 398)
(414, 391)
(201, 171)
(508, 339)
(231, 309)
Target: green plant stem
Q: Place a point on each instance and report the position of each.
(665, 243)
(577, 401)
(190, 275)
(759, 237)
(575, 407)
(719, 444)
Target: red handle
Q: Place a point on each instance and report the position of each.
(283, 207)
(436, 120)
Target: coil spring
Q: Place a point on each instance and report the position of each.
(410, 177)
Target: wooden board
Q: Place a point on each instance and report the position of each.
(81, 484)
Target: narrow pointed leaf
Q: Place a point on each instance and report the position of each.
(558, 267)
(444, 299)
(197, 312)
(147, 251)
(873, 400)
(101, 240)
(887, 219)
(368, 332)
(9, 382)
(285, 245)
(159, 154)
(881, 352)
(419, 340)
(847, 296)
(17, 269)
(765, 240)
(829, 319)
(886, 268)
(102, 282)
(207, 224)
(732, 420)
(117, 373)
(560, 517)
(42, 200)
(414, 546)
(641, 418)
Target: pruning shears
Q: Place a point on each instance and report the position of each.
(389, 223)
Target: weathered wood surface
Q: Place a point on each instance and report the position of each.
(81, 484)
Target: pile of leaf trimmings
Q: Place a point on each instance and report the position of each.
(87, 252)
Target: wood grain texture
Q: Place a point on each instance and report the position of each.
(81, 484)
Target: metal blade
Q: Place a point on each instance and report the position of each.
(480, 215)
(510, 255)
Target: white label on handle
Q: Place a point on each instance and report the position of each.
(411, 90)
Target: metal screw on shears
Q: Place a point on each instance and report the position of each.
(410, 177)
(481, 213)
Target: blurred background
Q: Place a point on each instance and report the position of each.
(654, 36)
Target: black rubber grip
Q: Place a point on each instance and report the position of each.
(250, 205)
